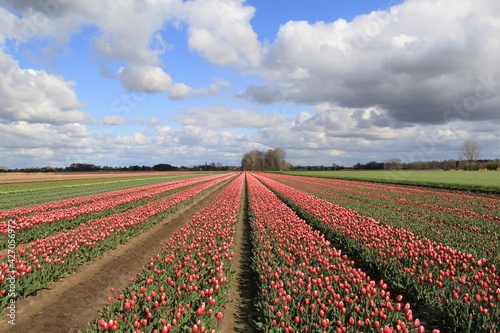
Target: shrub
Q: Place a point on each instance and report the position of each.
(492, 165)
(471, 167)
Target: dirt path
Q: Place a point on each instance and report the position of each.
(239, 315)
(69, 304)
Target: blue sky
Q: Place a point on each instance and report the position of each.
(202, 81)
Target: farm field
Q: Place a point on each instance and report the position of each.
(253, 252)
(30, 189)
(482, 181)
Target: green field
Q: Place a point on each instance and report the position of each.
(483, 181)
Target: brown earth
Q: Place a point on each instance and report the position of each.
(240, 313)
(69, 304)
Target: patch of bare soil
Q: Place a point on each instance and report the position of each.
(240, 315)
(69, 304)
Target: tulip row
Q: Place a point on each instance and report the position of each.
(183, 288)
(45, 260)
(481, 207)
(466, 222)
(27, 217)
(41, 224)
(309, 286)
(20, 194)
(465, 290)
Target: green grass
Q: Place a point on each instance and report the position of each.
(482, 181)
(23, 194)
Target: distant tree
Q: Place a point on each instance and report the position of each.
(373, 165)
(493, 165)
(393, 164)
(274, 159)
(163, 167)
(82, 167)
(470, 151)
(253, 161)
(448, 164)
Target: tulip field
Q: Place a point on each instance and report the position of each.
(327, 255)
(461, 288)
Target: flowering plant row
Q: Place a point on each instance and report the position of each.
(306, 285)
(45, 260)
(464, 289)
(184, 287)
(28, 217)
(466, 222)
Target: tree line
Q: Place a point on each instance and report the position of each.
(89, 167)
(271, 160)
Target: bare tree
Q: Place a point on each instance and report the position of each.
(393, 164)
(470, 151)
(253, 161)
(273, 159)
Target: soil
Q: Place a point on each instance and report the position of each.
(69, 304)
(240, 314)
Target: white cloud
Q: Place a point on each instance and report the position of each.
(219, 116)
(154, 121)
(115, 120)
(404, 41)
(9, 23)
(221, 31)
(415, 71)
(136, 139)
(181, 91)
(131, 31)
(36, 96)
(262, 94)
(144, 78)
(31, 136)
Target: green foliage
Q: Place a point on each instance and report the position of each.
(493, 165)
(471, 167)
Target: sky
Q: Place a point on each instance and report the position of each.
(119, 83)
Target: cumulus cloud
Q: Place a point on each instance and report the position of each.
(115, 120)
(47, 136)
(131, 31)
(9, 23)
(136, 139)
(145, 78)
(262, 94)
(36, 96)
(417, 73)
(220, 116)
(221, 31)
(181, 91)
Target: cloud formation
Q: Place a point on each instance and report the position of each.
(262, 94)
(221, 31)
(34, 96)
(379, 85)
(418, 73)
(220, 116)
(145, 79)
(131, 31)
